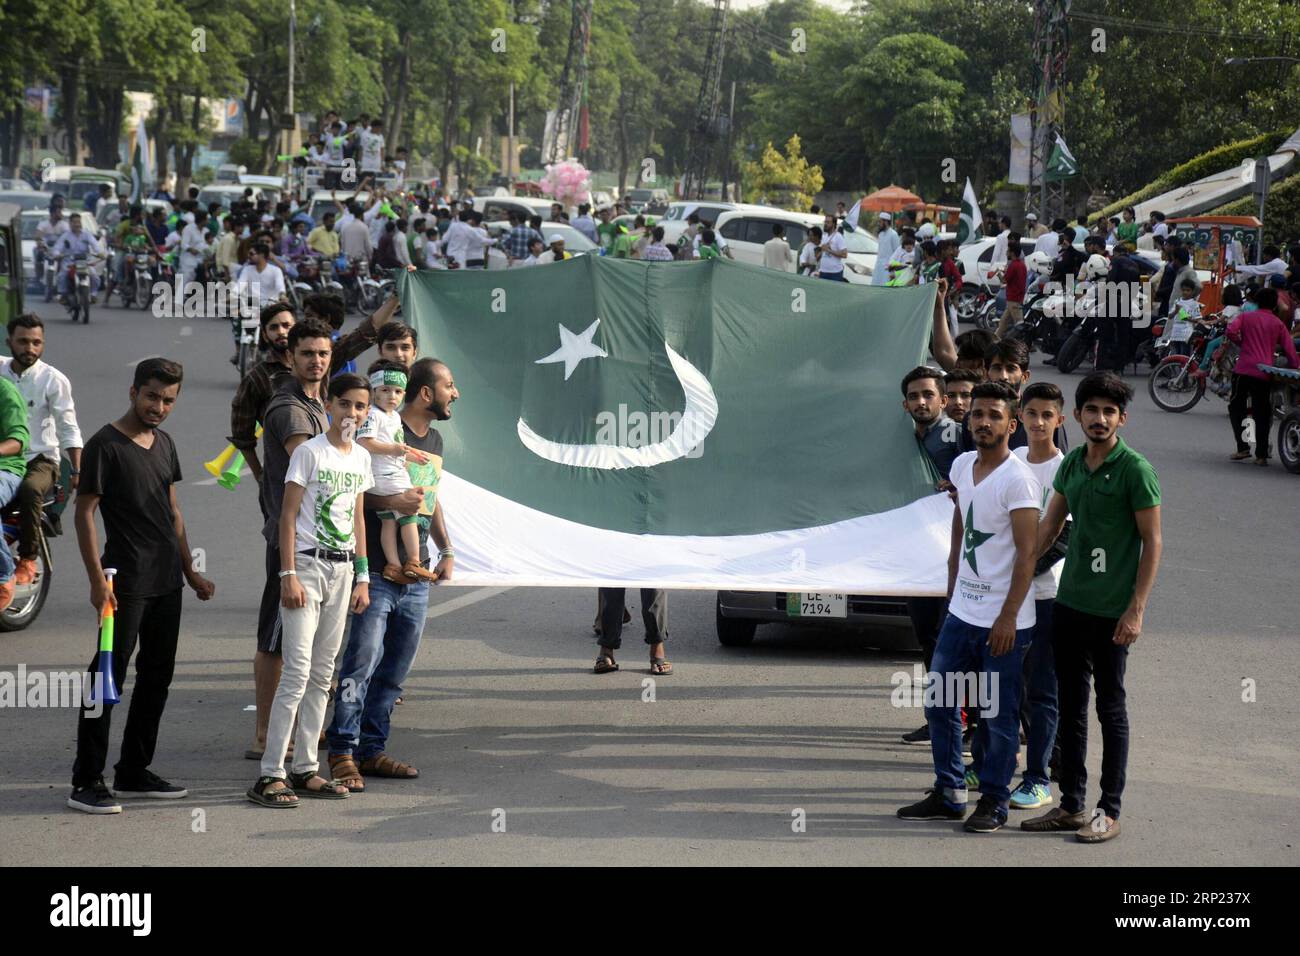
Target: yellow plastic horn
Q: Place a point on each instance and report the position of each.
(230, 476)
(217, 465)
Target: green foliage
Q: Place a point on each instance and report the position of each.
(1198, 167)
(789, 180)
(1281, 211)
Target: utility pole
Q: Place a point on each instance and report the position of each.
(731, 125)
(288, 133)
(1051, 43)
(510, 140)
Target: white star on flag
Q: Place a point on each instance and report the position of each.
(574, 348)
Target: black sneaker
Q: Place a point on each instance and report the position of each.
(148, 784)
(94, 799)
(933, 807)
(988, 816)
(919, 736)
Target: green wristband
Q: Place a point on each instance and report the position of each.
(360, 564)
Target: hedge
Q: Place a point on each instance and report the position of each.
(1281, 211)
(1198, 167)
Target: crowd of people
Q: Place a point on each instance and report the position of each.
(1053, 550)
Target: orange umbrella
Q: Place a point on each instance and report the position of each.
(889, 199)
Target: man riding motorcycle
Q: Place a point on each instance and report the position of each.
(78, 243)
(47, 233)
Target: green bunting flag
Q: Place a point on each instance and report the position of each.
(969, 226)
(1061, 164)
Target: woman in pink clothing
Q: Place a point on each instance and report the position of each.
(1259, 333)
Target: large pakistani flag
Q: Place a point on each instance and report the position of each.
(694, 425)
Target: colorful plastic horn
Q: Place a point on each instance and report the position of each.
(107, 686)
(230, 475)
(217, 465)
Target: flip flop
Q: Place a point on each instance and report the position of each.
(605, 665)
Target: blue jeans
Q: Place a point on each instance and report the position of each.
(963, 649)
(380, 649)
(833, 276)
(1040, 688)
(8, 488)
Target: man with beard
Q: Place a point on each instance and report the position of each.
(294, 415)
(52, 430)
(938, 435)
(263, 379)
(1113, 496)
(129, 475)
(385, 637)
(989, 624)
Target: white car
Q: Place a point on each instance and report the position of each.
(323, 201)
(574, 241)
(674, 220)
(495, 209)
(226, 195)
(32, 218)
(746, 231)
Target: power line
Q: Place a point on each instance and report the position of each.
(1168, 28)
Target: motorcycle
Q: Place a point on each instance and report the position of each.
(249, 329)
(51, 270)
(1174, 384)
(137, 280)
(78, 298)
(30, 598)
(328, 283)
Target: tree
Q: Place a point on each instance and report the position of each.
(789, 180)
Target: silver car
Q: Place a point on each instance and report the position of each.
(740, 612)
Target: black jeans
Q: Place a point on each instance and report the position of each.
(268, 611)
(1259, 392)
(927, 614)
(1087, 655)
(654, 613)
(156, 623)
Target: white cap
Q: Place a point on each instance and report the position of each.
(1031, 217)
(552, 240)
(886, 216)
(926, 230)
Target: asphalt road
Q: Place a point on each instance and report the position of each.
(507, 723)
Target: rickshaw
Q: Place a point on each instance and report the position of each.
(1286, 382)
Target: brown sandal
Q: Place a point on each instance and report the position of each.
(604, 665)
(385, 766)
(344, 769)
(660, 666)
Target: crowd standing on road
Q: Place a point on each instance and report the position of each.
(1053, 553)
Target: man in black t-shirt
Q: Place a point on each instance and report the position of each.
(384, 638)
(128, 470)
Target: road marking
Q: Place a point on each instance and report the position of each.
(186, 330)
(213, 481)
(465, 600)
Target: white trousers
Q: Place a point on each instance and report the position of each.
(309, 641)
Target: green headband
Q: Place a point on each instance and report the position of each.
(389, 376)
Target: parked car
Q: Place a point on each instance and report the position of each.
(494, 209)
(746, 230)
(323, 201)
(26, 199)
(738, 614)
(226, 194)
(649, 201)
(674, 221)
(11, 263)
(574, 241)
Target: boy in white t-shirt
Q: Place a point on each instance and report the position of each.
(383, 436)
(323, 575)
(1042, 409)
(982, 645)
(1184, 316)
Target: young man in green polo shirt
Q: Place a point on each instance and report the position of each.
(14, 439)
(1113, 495)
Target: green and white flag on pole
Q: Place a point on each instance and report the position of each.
(1061, 164)
(706, 425)
(968, 226)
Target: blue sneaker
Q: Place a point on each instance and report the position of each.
(1030, 796)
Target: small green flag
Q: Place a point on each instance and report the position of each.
(1061, 164)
